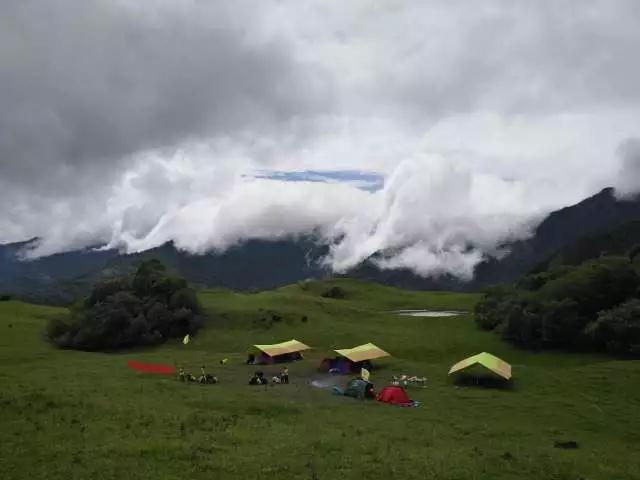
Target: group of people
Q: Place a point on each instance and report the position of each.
(204, 378)
(258, 377)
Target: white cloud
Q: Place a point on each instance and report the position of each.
(626, 179)
(431, 208)
(139, 123)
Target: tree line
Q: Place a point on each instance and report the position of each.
(592, 306)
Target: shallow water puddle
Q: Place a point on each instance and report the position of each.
(428, 313)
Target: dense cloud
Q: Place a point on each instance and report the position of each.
(129, 124)
(627, 178)
(86, 84)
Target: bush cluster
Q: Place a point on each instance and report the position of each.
(590, 306)
(334, 292)
(145, 309)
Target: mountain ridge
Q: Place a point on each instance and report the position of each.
(266, 264)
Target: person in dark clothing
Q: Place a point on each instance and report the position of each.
(284, 375)
(206, 377)
(258, 379)
(185, 376)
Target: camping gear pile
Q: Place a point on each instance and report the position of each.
(409, 380)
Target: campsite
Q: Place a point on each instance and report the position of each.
(319, 240)
(78, 414)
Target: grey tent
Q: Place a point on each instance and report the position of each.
(360, 389)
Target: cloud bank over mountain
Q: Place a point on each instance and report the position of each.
(430, 131)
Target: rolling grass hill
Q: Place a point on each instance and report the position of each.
(68, 414)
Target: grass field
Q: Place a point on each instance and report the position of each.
(76, 415)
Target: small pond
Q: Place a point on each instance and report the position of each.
(428, 313)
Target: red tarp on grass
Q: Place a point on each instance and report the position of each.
(151, 367)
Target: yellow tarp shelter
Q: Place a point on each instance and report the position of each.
(368, 351)
(488, 361)
(283, 348)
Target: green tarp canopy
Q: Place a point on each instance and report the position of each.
(368, 351)
(486, 360)
(283, 348)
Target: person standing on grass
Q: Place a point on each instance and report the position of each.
(284, 375)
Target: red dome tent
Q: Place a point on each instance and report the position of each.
(395, 395)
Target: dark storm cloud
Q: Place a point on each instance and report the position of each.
(84, 84)
(439, 58)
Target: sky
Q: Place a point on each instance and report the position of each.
(432, 131)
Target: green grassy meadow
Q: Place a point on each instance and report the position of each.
(77, 415)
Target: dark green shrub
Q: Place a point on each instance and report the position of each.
(618, 330)
(168, 286)
(149, 274)
(334, 292)
(522, 322)
(127, 300)
(102, 290)
(562, 325)
(124, 313)
(488, 311)
(536, 281)
(138, 327)
(185, 298)
(558, 308)
(159, 318)
(56, 327)
(595, 285)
